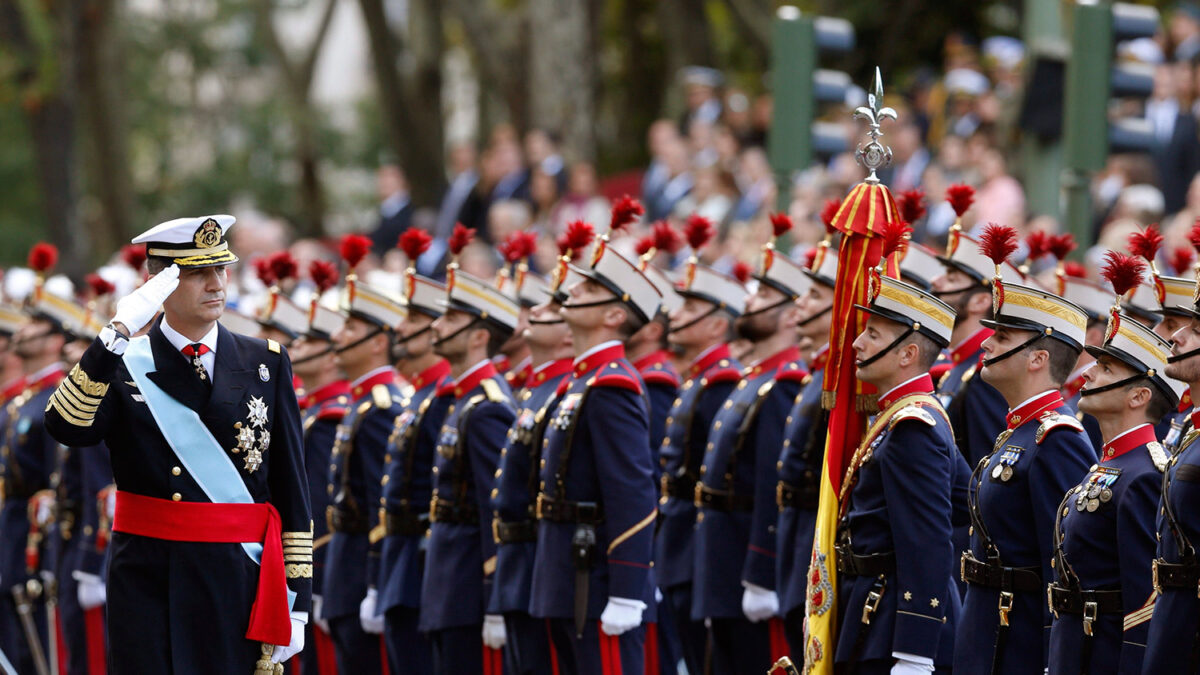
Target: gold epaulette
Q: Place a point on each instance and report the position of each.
(1158, 455)
(382, 396)
(493, 391)
(273, 346)
(912, 411)
(1051, 421)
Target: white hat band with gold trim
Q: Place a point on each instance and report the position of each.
(624, 279)
(372, 304)
(11, 318)
(190, 242)
(532, 289)
(914, 307)
(1140, 348)
(1033, 309)
(1144, 301)
(236, 322)
(671, 299)
(963, 254)
(471, 294)
(69, 314)
(282, 314)
(784, 274)
(1176, 295)
(825, 266)
(920, 266)
(1095, 299)
(424, 294)
(324, 322)
(708, 284)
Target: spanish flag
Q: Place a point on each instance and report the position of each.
(861, 220)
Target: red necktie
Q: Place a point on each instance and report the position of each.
(194, 352)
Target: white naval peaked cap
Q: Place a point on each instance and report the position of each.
(963, 254)
(284, 315)
(236, 322)
(920, 266)
(470, 294)
(703, 282)
(1095, 299)
(671, 299)
(423, 294)
(1176, 295)
(911, 306)
(1132, 343)
(532, 288)
(1034, 309)
(11, 318)
(1143, 303)
(624, 279)
(190, 242)
(373, 305)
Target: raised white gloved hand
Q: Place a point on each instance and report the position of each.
(907, 667)
(91, 590)
(136, 310)
(759, 603)
(318, 613)
(620, 615)
(293, 648)
(494, 633)
(371, 620)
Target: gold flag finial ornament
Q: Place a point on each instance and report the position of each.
(874, 155)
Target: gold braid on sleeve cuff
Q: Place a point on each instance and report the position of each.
(298, 554)
(78, 398)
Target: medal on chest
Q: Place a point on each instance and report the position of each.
(1004, 469)
(522, 429)
(566, 411)
(1097, 489)
(448, 441)
(253, 438)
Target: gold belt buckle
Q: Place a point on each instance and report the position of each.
(1154, 575)
(962, 567)
(663, 482)
(698, 495)
(779, 494)
(1090, 610)
(1050, 599)
(433, 508)
(540, 498)
(870, 606)
(496, 530)
(1006, 605)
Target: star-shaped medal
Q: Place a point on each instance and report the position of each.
(258, 412)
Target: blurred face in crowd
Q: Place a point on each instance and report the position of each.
(688, 330)
(538, 146)
(661, 133)
(304, 351)
(697, 94)
(389, 181)
(546, 329)
(414, 337)
(73, 350)
(816, 301)
(355, 355)
(462, 157)
(452, 336)
(543, 189)
(199, 298)
(36, 338)
(755, 325)
(583, 179)
(1185, 340)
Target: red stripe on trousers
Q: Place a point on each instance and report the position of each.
(383, 659)
(93, 631)
(553, 651)
(610, 651)
(651, 649)
(326, 659)
(779, 645)
(493, 661)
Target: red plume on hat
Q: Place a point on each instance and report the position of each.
(645, 246)
(895, 237)
(414, 242)
(134, 255)
(911, 205)
(43, 257)
(1124, 272)
(828, 213)
(1074, 269)
(578, 236)
(961, 197)
(283, 266)
(742, 271)
(1061, 245)
(666, 238)
(1181, 260)
(460, 238)
(1038, 245)
(998, 242)
(99, 285)
(354, 248)
(1146, 244)
(625, 211)
(781, 224)
(264, 271)
(324, 275)
(698, 231)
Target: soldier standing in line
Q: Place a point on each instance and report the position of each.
(734, 574)
(407, 482)
(363, 346)
(1014, 491)
(461, 558)
(1102, 602)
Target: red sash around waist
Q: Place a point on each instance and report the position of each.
(220, 524)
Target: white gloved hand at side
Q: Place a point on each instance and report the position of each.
(494, 633)
(136, 310)
(91, 590)
(759, 603)
(371, 620)
(621, 615)
(294, 647)
(906, 667)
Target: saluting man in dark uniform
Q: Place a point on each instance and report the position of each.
(802, 459)
(212, 537)
(364, 345)
(700, 329)
(514, 518)
(1015, 491)
(461, 562)
(1102, 595)
(322, 408)
(596, 500)
(1173, 642)
(407, 482)
(898, 601)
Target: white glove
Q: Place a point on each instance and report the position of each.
(318, 613)
(91, 590)
(110, 504)
(907, 667)
(45, 509)
(620, 615)
(136, 310)
(759, 603)
(293, 648)
(371, 620)
(494, 634)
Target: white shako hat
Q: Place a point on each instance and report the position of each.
(920, 266)
(623, 278)
(284, 315)
(475, 296)
(236, 322)
(914, 307)
(963, 254)
(11, 318)
(190, 242)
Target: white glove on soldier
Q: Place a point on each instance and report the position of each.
(91, 590)
(293, 648)
(759, 603)
(136, 310)
(318, 613)
(620, 615)
(908, 667)
(371, 620)
(494, 633)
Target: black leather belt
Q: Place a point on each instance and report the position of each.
(679, 487)
(992, 575)
(446, 511)
(405, 523)
(514, 532)
(1176, 575)
(722, 500)
(345, 520)
(1078, 601)
(790, 496)
(563, 511)
(872, 565)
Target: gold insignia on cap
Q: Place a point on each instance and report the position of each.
(208, 234)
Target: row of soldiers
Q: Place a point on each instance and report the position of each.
(594, 511)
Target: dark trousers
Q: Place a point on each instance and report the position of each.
(596, 653)
(527, 651)
(793, 628)
(318, 657)
(357, 650)
(740, 647)
(461, 650)
(408, 651)
(693, 636)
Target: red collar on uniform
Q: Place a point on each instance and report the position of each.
(501, 363)
(50, 379)
(432, 374)
(331, 390)
(918, 385)
(652, 359)
(1034, 408)
(712, 356)
(385, 377)
(15, 387)
(819, 359)
(599, 358)
(1185, 401)
(1071, 388)
(549, 371)
(481, 373)
(517, 377)
(772, 363)
(1196, 418)
(970, 345)
(1133, 438)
